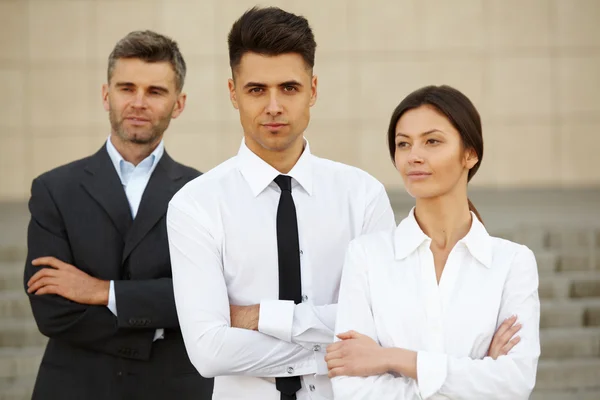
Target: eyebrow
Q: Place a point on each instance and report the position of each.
(422, 134)
(262, 85)
(161, 89)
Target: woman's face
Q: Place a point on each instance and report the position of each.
(430, 154)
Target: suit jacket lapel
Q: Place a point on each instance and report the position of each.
(103, 184)
(155, 200)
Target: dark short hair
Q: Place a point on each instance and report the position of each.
(456, 107)
(150, 47)
(271, 31)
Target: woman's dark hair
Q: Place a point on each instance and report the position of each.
(459, 110)
(271, 31)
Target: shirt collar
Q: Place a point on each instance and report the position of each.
(259, 174)
(149, 163)
(408, 237)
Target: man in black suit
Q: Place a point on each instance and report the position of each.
(98, 271)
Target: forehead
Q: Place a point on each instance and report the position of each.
(271, 70)
(422, 119)
(143, 73)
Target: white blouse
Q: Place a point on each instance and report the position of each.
(389, 292)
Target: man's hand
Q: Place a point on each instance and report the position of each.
(67, 281)
(245, 317)
(503, 340)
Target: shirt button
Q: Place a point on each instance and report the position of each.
(290, 370)
(312, 388)
(304, 298)
(316, 347)
(301, 252)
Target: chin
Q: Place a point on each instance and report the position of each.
(419, 191)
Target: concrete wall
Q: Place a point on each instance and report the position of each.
(531, 67)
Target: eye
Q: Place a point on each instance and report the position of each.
(126, 89)
(402, 145)
(290, 89)
(255, 90)
(432, 141)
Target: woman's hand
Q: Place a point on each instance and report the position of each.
(503, 340)
(355, 355)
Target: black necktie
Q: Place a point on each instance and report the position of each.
(288, 252)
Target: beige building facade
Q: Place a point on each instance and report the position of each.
(532, 67)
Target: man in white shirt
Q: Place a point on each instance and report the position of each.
(257, 244)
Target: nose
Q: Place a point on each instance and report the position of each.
(274, 106)
(414, 157)
(139, 101)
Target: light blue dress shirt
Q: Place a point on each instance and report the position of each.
(134, 179)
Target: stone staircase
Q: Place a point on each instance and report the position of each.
(569, 265)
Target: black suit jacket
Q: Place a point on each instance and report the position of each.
(80, 215)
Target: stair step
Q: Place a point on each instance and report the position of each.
(11, 275)
(12, 253)
(562, 343)
(17, 362)
(585, 394)
(570, 313)
(20, 332)
(16, 389)
(579, 261)
(570, 285)
(14, 304)
(547, 261)
(570, 374)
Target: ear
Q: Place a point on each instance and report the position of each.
(179, 105)
(232, 94)
(313, 90)
(470, 158)
(105, 102)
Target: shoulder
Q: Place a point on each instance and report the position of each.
(346, 174)
(378, 244)
(63, 174)
(206, 184)
(513, 254)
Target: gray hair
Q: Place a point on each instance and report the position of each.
(150, 47)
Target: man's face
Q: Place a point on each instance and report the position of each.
(141, 99)
(273, 95)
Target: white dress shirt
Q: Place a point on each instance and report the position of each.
(223, 246)
(134, 179)
(389, 292)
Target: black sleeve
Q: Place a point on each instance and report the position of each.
(89, 326)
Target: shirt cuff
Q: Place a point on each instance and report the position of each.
(432, 369)
(159, 334)
(112, 300)
(276, 318)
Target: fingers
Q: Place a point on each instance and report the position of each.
(40, 283)
(508, 347)
(506, 337)
(43, 273)
(48, 261)
(334, 347)
(336, 372)
(49, 289)
(349, 335)
(508, 322)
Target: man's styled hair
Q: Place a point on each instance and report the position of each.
(150, 47)
(271, 31)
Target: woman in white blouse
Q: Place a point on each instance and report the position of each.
(419, 306)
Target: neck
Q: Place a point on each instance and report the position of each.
(445, 219)
(283, 160)
(134, 153)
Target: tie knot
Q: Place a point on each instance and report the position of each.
(284, 182)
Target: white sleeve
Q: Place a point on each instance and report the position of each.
(214, 347)
(355, 313)
(510, 377)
